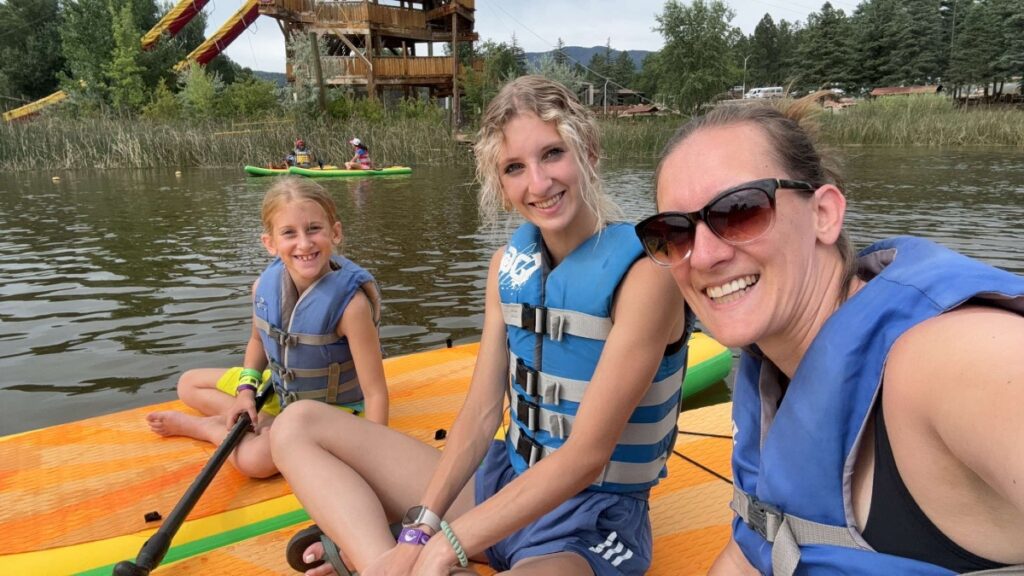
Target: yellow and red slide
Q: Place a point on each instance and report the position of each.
(172, 22)
(224, 36)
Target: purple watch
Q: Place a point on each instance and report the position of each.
(413, 536)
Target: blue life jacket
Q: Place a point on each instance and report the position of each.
(299, 333)
(791, 473)
(557, 323)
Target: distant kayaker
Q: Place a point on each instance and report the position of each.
(325, 349)
(301, 156)
(592, 424)
(360, 158)
(877, 409)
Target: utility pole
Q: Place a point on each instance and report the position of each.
(745, 58)
(605, 96)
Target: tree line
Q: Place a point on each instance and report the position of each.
(91, 48)
(958, 43)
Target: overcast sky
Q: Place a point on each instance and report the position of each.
(537, 24)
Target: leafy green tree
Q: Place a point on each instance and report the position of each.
(87, 37)
(248, 98)
(305, 87)
(918, 47)
(623, 69)
(564, 73)
(164, 105)
(764, 63)
(1010, 62)
(697, 60)
(198, 92)
(974, 53)
(600, 65)
(560, 57)
(825, 51)
(787, 51)
(123, 72)
(519, 57)
(649, 74)
(501, 63)
(30, 50)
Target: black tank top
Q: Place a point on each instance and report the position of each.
(896, 524)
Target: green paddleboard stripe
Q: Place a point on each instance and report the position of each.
(707, 373)
(220, 540)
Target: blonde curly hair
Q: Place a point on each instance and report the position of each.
(551, 102)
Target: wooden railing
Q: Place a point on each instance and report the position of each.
(359, 11)
(387, 68)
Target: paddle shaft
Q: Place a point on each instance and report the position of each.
(153, 551)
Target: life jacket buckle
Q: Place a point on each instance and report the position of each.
(763, 518)
(283, 338)
(529, 449)
(534, 318)
(289, 396)
(526, 377)
(524, 407)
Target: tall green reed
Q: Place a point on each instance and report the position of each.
(923, 120)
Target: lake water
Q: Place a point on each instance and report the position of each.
(112, 283)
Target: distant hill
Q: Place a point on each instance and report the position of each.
(583, 55)
(275, 77)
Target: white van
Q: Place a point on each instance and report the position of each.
(768, 92)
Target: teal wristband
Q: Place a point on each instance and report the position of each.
(456, 545)
(252, 373)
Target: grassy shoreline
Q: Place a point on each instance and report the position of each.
(69, 143)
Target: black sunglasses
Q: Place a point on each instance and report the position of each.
(739, 215)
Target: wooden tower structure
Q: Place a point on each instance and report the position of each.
(373, 43)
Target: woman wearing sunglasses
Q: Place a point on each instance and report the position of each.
(583, 335)
(877, 410)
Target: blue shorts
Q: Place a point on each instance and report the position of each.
(611, 531)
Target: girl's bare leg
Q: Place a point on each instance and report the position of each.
(198, 389)
(354, 476)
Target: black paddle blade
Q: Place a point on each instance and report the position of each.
(128, 568)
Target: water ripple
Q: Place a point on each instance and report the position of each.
(113, 283)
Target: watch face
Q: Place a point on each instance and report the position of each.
(413, 515)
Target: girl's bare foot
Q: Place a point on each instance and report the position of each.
(172, 423)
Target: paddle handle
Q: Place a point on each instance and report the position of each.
(155, 548)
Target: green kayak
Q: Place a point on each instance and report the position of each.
(333, 173)
(262, 171)
(325, 172)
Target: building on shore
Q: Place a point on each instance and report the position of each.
(375, 46)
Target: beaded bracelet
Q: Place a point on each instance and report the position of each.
(456, 545)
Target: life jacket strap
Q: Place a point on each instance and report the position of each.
(291, 339)
(559, 425)
(787, 533)
(333, 374)
(556, 322)
(615, 472)
(547, 389)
